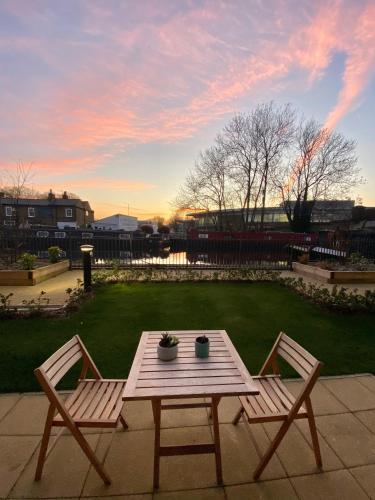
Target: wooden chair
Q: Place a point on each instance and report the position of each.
(276, 403)
(94, 403)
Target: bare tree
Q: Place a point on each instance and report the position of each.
(239, 142)
(206, 187)
(273, 128)
(15, 184)
(324, 166)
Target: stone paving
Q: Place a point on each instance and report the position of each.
(345, 415)
(55, 288)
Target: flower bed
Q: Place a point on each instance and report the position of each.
(16, 277)
(333, 276)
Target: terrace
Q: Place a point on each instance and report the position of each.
(345, 415)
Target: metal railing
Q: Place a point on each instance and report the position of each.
(123, 250)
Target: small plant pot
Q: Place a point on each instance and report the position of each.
(167, 353)
(202, 349)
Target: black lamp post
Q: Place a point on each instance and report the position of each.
(86, 253)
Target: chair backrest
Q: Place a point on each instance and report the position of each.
(296, 356)
(57, 365)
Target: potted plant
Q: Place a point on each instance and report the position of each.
(168, 347)
(202, 347)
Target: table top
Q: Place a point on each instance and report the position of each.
(221, 374)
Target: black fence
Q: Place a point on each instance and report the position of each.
(123, 250)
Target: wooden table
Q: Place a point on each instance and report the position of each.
(221, 374)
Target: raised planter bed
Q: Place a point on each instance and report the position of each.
(334, 276)
(25, 278)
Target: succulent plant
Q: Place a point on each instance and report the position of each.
(168, 340)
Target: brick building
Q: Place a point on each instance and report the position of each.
(51, 211)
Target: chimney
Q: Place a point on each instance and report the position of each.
(51, 196)
(65, 195)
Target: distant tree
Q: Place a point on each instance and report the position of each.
(15, 185)
(147, 229)
(324, 167)
(206, 186)
(163, 229)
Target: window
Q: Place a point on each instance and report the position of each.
(60, 234)
(9, 223)
(8, 211)
(202, 236)
(42, 234)
(124, 236)
(87, 235)
(68, 212)
(31, 212)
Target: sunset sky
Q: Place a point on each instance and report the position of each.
(114, 99)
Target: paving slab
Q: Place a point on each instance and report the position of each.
(7, 401)
(323, 401)
(184, 418)
(365, 475)
(14, 455)
(351, 392)
(27, 417)
(295, 452)
(227, 409)
(349, 438)
(200, 494)
(138, 415)
(190, 471)
(129, 464)
(64, 472)
(280, 489)
(54, 287)
(146, 496)
(240, 457)
(337, 485)
(367, 418)
(368, 381)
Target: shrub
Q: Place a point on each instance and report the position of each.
(28, 261)
(54, 254)
(35, 306)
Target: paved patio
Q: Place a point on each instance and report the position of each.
(345, 409)
(54, 287)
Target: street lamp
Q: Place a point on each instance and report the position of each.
(86, 254)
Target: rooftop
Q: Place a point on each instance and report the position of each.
(345, 415)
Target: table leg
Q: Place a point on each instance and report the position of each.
(156, 408)
(215, 421)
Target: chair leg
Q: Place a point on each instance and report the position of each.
(238, 416)
(87, 450)
(44, 443)
(314, 434)
(272, 448)
(124, 423)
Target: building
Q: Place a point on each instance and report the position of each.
(51, 211)
(117, 222)
(325, 215)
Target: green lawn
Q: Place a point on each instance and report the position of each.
(252, 314)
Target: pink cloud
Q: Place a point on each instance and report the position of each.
(359, 66)
(171, 71)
